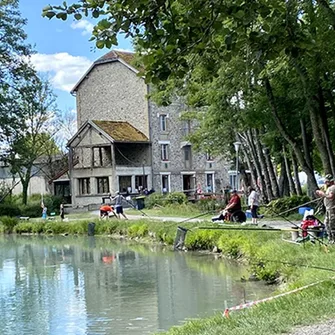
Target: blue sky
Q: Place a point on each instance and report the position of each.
(63, 52)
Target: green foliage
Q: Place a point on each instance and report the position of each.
(138, 230)
(154, 199)
(9, 209)
(284, 204)
(209, 204)
(8, 223)
(32, 210)
(175, 198)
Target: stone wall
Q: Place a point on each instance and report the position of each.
(112, 91)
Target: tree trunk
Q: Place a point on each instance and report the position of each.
(272, 175)
(283, 182)
(300, 156)
(288, 174)
(296, 174)
(25, 179)
(259, 180)
(265, 172)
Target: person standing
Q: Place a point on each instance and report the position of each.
(44, 211)
(118, 204)
(61, 211)
(253, 203)
(329, 202)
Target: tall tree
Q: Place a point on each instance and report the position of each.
(14, 70)
(34, 138)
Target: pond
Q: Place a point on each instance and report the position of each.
(95, 285)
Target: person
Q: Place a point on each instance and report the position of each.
(253, 203)
(234, 203)
(118, 204)
(61, 211)
(329, 203)
(44, 211)
(105, 210)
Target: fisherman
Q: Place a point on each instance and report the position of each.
(118, 204)
(106, 210)
(329, 202)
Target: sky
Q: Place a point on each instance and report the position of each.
(63, 51)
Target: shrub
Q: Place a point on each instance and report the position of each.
(8, 209)
(209, 204)
(8, 223)
(32, 210)
(175, 198)
(284, 204)
(154, 199)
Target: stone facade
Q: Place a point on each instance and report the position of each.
(111, 90)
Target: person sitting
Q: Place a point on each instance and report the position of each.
(234, 205)
(106, 211)
(233, 210)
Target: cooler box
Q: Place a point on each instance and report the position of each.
(303, 209)
(248, 214)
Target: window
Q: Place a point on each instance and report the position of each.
(165, 183)
(209, 157)
(103, 185)
(84, 186)
(209, 182)
(140, 181)
(187, 157)
(164, 152)
(124, 183)
(163, 122)
(186, 127)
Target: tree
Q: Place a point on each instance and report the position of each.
(14, 70)
(238, 53)
(34, 138)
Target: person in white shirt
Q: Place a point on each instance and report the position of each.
(253, 203)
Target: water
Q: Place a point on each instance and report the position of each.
(91, 285)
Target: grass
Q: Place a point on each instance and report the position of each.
(274, 317)
(263, 251)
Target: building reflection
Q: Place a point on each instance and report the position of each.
(85, 286)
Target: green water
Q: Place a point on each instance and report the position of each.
(95, 285)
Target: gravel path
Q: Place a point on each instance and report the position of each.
(326, 328)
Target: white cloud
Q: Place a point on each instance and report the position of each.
(83, 25)
(63, 69)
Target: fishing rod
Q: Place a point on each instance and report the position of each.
(302, 205)
(197, 216)
(132, 205)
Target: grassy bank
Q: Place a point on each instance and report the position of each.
(269, 257)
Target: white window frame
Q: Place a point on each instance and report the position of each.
(168, 175)
(163, 122)
(213, 180)
(164, 152)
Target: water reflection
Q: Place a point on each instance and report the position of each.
(91, 285)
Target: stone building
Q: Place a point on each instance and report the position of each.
(125, 142)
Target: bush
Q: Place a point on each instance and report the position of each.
(154, 199)
(33, 210)
(7, 209)
(175, 198)
(209, 204)
(8, 223)
(284, 204)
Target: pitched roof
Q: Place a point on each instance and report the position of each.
(121, 131)
(126, 58)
